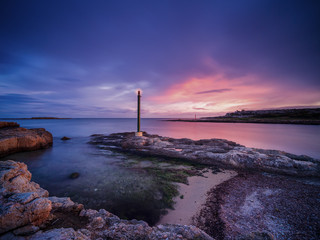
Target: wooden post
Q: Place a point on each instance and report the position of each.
(138, 133)
(138, 111)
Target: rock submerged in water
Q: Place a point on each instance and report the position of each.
(16, 139)
(74, 175)
(26, 212)
(217, 152)
(65, 138)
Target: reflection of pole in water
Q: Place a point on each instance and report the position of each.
(138, 133)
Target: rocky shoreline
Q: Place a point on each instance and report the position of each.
(262, 206)
(251, 205)
(14, 138)
(214, 152)
(26, 212)
(258, 203)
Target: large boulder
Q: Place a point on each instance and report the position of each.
(21, 202)
(16, 139)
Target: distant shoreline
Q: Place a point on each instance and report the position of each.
(271, 121)
(34, 118)
(304, 116)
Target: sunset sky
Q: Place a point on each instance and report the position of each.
(87, 58)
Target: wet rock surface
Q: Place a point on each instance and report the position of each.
(16, 139)
(262, 206)
(26, 212)
(216, 152)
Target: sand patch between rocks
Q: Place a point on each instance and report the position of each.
(194, 195)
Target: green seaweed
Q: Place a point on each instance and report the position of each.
(149, 198)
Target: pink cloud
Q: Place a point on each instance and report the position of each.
(209, 95)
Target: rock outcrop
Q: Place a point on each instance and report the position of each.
(22, 202)
(26, 212)
(218, 152)
(16, 139)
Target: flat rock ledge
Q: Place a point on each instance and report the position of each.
(217, 152)
(26, 212)
(17, 139)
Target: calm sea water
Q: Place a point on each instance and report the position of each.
(297, 139)
(103, 184)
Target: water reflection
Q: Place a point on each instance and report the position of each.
(296, 139)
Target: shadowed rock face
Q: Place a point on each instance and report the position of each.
(26, 212)
(218, 152)
(16, 139)
(8, 124)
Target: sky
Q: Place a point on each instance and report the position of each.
(79, 58)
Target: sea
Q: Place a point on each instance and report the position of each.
(102, 183)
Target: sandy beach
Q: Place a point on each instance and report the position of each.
(194, 196)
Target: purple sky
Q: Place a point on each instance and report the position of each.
(87, 58)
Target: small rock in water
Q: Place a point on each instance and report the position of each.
(65, 138)
(74, 175)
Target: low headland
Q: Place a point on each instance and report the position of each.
(34, 118)
(14, 138)
(237, 193)
(306, 116)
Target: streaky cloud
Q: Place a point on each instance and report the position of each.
(215, 91)
(197, 108)
(13, 98)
